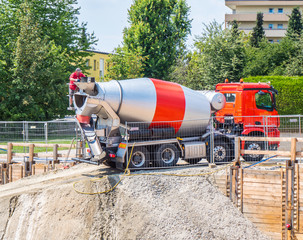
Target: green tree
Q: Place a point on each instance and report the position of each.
(37, 91)
(125, 65)
(295, 25)
(158, 29)
(258, 33)
(235, 29)
(62, 38)
(218, 54)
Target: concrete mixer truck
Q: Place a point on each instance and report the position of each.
(150, 123)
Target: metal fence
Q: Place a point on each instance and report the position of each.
(212, 137)
(217, 133)
(34, 131)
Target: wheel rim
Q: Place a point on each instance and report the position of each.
(168, 155)
(138, 159)
(219, 153)
(254, 146)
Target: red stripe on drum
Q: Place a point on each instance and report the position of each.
(170, 104)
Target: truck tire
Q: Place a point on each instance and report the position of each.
(167, 155)
(253, 146)
(221, 152)
(140, 158)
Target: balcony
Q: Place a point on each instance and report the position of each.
(252, 17)
(234, 3)
(274, 32)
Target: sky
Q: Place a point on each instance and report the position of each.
(108, 18)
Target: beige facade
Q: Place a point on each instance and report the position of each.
(275, 15)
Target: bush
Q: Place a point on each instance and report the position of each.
(290, 97)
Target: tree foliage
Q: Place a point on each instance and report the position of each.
(295, 25)
(218, 54)
(125, 65)
(157, 31)
(258, 32)
(40, 44)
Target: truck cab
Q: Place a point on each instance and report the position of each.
(250, 110)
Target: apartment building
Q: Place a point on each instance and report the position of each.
(276, 14)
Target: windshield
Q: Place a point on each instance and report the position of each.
(230, 97)
(264, 101)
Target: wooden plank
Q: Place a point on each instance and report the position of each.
(269, 198)
(260, 173)
(265, 221)
(269, 227)
(267, 152)
(262, 202)
(270, 139)
(276, 216)
(43, 145)
(258, 192)
(260, 186)
(255, 208)
(266, 182)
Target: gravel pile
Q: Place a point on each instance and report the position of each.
(141, 207)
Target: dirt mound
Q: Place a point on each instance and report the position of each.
(141, 207)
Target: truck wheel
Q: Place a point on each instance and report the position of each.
(221, 152)
(167, 155)
(253, 146)
(140, 157)
(193, 160)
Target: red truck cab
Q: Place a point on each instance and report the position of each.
(250, 110)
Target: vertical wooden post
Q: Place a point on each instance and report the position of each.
(79, 149)
(44, 168)
(34, 169)
(237, 150)
(21, 171)
(293, 150)
(1, 173)
(55, 155)
(10, 173)
(241, 189)
(9, 152)
(24, 170)
(31, 158)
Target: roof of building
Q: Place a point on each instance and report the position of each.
(94, 51)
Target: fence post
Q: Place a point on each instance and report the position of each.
(10, 173)
(31, 158)
(293, 151)
(237, 150)
(9, 152)
(55, 155)
(211, 147)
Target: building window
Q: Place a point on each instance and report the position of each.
(280, 26)
(270, 26)
(87, 63)
(271, 10)
(280, 10)
(234, 11)
(270, 40)
(95, 65)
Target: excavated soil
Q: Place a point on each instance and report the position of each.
(141, 207)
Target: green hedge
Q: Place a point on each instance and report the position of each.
(290, 97)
